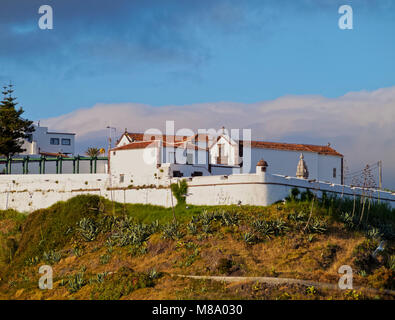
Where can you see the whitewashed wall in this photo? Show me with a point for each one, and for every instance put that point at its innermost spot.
(31, 192)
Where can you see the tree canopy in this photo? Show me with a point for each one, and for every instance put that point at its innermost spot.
(13, 128)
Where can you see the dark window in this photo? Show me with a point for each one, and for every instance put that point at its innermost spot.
(54, 141)
(66, 142)
(240, 149)
(334, 172)
(197, 174)
(177, 174)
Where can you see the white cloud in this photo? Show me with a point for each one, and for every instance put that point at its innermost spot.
(361, 125)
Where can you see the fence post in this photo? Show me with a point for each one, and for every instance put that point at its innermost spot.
(60, 164)
(27, 165)
(78, 164)
(95, 165)
(90, 164)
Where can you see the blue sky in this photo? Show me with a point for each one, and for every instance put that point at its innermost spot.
(182, 52)
(280, 67)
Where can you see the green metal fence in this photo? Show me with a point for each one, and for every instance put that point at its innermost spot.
(25, 161)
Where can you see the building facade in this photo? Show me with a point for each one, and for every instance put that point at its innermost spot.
(42, 141)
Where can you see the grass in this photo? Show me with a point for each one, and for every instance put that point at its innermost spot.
(120, 246)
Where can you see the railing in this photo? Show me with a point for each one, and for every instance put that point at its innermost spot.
(44, 159)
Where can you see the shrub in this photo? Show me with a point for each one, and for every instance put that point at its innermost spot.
(76, 282)
(171, 231)
(121, 284)
(192, 228)
(180, 190)
(87, 229)
(229, 219)
(249, 238)
(52, 257)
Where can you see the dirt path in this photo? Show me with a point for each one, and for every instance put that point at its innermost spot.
(279, 281)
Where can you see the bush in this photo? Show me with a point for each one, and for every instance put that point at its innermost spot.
(171, 231)
(121, 284)
(180, 190)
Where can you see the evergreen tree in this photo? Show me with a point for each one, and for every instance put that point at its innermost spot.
(13, 128)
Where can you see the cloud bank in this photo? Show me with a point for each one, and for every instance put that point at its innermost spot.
(360, 125)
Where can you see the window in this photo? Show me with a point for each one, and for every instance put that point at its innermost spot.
(66, 142)
(54, 141)
(177, 174)
(334, 172)
(197, 174)
(121, 178)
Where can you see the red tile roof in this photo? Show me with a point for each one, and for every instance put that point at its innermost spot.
(327, 150)
(154, 144)
(137, 145)
(141, 136)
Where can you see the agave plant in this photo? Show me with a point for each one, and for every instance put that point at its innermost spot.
(279, 226)
(192, 228)
(228, 219)
(373, 233)
(87, 229)
(51, 256)
(249, 238)
(76, 282)
(317, 226)
(391, 262)
(171, 231)
(206, 217)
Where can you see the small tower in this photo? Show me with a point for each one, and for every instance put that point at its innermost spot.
(261, 166)
(302, 171)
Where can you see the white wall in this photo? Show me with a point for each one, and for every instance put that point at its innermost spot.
(139, 166)
(264, 189)
(31, 192)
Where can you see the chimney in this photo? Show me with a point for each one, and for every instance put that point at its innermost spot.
(261, 166)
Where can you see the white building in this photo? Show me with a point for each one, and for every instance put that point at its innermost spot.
(323, 162)
(42, 141)
(149, 158)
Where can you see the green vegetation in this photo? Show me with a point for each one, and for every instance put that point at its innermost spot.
(95, 242)
(13, 128)
(180, 190)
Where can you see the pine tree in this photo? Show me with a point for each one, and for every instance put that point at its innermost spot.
(13, 128)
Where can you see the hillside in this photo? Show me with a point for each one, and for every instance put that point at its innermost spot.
(104, 250)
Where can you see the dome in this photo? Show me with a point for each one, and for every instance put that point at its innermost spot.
(262, 163)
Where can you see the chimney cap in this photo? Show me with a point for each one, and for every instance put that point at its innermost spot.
(262, 163)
